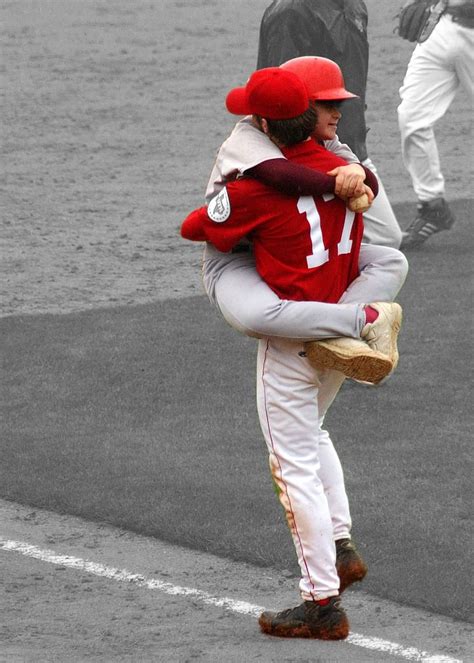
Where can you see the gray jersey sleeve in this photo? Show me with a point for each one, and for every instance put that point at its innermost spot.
(341, 150)
(246, 147)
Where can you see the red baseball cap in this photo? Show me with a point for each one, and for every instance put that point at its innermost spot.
(273, 93)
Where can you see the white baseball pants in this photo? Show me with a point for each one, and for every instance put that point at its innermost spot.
(380, 223)
(292, 399)
(436, 69)
(250, 306)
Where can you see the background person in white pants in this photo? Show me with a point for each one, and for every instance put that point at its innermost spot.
(334, 29)
(437, 68)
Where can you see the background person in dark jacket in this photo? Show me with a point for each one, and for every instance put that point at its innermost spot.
(335, 29)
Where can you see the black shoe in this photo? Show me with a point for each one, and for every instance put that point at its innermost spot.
(432, 217)
(308, 620)
(349, 564)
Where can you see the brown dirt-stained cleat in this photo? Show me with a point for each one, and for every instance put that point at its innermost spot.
(349, 564)
(351, 356)
(308, 620)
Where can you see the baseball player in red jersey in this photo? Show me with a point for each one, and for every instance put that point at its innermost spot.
(291, 257)
(306, 248)
(231, 280)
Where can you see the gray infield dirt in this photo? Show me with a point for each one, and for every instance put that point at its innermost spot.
(110, 620)
(111, 115)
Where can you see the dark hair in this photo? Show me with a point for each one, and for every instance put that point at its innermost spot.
(295, 130)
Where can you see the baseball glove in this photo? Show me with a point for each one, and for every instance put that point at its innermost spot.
(412, 18)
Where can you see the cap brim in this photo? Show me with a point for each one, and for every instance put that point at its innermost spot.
(237, 102)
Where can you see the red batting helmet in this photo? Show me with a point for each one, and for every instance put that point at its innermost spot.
(322, 77)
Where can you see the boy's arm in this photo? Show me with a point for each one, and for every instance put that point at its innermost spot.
(198, 227)
(346, 186)
(193, 225)
(248, 150)
(292, 178)
(297, 180)
(223, 223)
(352, 180)
(341, 150)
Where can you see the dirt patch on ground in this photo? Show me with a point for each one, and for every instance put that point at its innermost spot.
(111, 619)
(111, 117)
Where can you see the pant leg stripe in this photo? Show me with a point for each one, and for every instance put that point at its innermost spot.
(281, 472)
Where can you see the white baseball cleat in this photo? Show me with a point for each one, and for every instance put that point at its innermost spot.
(382, 334)
(351, 356)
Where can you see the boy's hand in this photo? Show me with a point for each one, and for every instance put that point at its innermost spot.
(349, 181)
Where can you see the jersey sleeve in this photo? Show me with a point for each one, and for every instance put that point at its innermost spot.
(371, 180)
(246, 147)
(344, 151)
(224, 222)
(341, 150)
(192, 226)
(293, 178)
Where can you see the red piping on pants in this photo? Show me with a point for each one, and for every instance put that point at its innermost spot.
(281, 470)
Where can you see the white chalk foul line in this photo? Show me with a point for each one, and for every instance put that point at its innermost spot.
(241, 607)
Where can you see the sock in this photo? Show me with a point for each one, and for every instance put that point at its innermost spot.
(323, 601)
(371, 314)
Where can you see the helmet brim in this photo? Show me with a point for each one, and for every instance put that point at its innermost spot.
(334, 94)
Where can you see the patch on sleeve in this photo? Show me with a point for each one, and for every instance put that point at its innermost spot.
(218, 209)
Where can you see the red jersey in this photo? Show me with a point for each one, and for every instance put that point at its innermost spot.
(305, 248)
